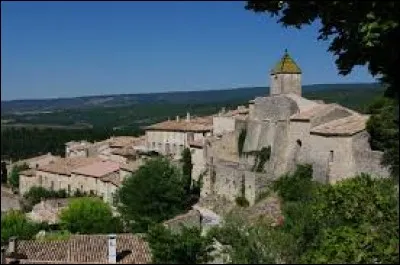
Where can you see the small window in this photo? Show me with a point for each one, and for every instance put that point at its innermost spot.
(69, 189)
(299, 143)
(52, 185)
(331, 156)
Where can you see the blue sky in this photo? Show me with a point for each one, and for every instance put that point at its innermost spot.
(63, 49)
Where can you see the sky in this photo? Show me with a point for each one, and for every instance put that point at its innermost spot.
(68, 49)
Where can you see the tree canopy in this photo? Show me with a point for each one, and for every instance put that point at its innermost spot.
(360, 32)
(154, 193)
(186, 247)
(89, 215)
(15, 223)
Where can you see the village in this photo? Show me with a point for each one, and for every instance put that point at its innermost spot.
(246, 147)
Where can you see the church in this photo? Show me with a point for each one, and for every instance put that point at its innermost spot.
(331, 138)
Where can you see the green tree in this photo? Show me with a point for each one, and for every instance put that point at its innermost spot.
(361, 32)
(89, 215)
(154, 193)
(187, 168)
(13, 178)
(383, 126)
(15, 223)
(186, 247)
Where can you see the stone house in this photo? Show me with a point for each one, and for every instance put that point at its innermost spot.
(171, 137)
(330, 137)
(35, 162)
(80, 249)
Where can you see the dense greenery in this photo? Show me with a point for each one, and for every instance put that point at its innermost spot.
(36, 194)
(383, 126)
(152, 194)
(4, 172)
(13, 178)
(21, 143)
(15, 223)
(360, 32)
(187, 168)
(186, 247)
(354, 221)
(89, 215)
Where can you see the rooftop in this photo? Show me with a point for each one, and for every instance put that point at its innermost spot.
(28, 172)
(286, 66)
(122, 141)
(132, 166)
(200, 124)
(131, 249)
(64, 166)
(97, 169)
(347, 126)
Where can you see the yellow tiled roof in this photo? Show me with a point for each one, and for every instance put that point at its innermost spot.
(286, 66)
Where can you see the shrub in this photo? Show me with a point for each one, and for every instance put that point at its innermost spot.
(89, 215)
(242, 201)
(296, 186)
(15, 223)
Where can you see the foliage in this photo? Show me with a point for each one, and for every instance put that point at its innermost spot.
(15, 223)
(187, 168)
(4, 173)
(296, 186)
(242, 201)
(383, 127)
(241, 140)
(361, 32)
(56, 236)
(154, 193)
(186, 247)
(36, 194)
(257, 243)
(13, 179)
(262, 156)
(353, 221)
(89, 216)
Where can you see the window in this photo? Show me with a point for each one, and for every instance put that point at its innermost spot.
(40, 180)
(331, 156)
(52, 185)
(69, 189)
(299, 143)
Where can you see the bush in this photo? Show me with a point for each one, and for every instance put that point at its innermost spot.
(186, 247)
(89, 216)
(242, 201)
(15, 223)
(296, 186)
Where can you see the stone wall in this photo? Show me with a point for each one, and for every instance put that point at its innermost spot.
(285, 84)
(274, 108)
(223, 124)
(189, 219)
(198, 161)
(367, 160)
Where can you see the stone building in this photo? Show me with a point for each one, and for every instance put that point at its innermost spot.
(84, 174)
(171, 137)
(296, 130)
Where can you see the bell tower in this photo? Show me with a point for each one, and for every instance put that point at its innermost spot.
(285, 77)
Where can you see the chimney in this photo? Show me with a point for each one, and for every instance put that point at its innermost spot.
(112, 248)
(12, 245)
(187, 116)
(177, 118)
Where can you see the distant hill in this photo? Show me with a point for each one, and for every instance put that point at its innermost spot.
(185, 97)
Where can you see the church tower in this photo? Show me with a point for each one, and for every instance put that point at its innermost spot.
(285, 77)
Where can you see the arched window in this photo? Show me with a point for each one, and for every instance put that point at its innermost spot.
(331, 156)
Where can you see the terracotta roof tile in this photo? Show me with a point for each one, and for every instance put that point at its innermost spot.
(64, 166)
(124, 151)
(97, 169)
(86, 249)
(309, 113)
(28, 172)
(202, 124)
(346, 126)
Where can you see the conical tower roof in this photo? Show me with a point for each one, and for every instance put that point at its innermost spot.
(286, 66)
